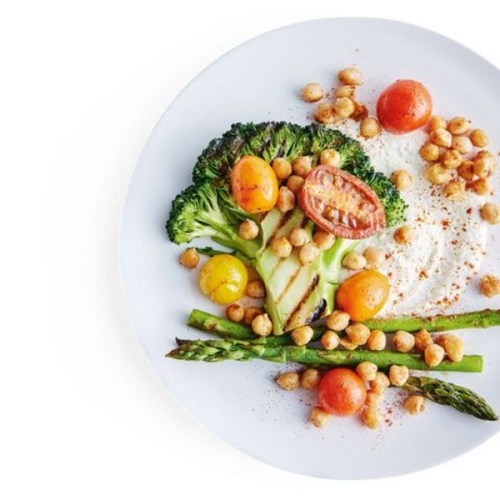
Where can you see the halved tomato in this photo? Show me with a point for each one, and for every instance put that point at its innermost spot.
(341, 204)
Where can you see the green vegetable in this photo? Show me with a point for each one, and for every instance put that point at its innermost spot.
(296, 294)
(243, 350)
(446, 393)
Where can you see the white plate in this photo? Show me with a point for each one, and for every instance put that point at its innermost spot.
(260, 81)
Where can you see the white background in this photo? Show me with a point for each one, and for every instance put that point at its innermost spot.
(82, 413)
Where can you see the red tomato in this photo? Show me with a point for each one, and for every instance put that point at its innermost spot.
(404, 106)
(341, 392)
(363, 295)
(254, 184)
(341, 204)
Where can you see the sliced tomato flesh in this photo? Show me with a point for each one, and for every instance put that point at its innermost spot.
(341, 204)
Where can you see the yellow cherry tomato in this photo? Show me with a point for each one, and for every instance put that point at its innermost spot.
(363, 295)
(223, 279)
(254, 184)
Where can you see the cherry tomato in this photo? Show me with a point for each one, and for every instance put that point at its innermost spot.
(223, 279)
(341, 204)
(363, 295)
(254, 184)
(404, 106)
(341, 392)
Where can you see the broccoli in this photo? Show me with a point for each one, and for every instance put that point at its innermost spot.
(296, 294)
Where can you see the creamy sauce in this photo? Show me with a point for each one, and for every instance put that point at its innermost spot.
(449, 238)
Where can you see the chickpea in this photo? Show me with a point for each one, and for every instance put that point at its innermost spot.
(329, 157)
(482, 187)
(354, 261)
(248, 230)
(377, 340)
(466, 170)
(338, 321)
(345, 91)
(440, 137)
(380, 384)
(302, 165)
(459, 125)
(281, 247)
(302, 335)
(453, 346)
(371, 417)
(309, 379)
(286, 200)
(436, 122)
(282, 168)
(350, 76)
(343, 107)
(433, 355)
(370, 127)
(324, 113)
(235, 312)
(319, 417)
(367, 370)
(403, 341)
(374, 256)
(423, 340)
(462, 144)
(489, 285)
(289, 381)
(490, 213)
(323, 240)
(451, 159)
(299, 237)
(360, 111)
(330, 340)
(250, 314)
(347, 344)
(484, 164)
(437, 174)
(414, 404)
(402, 179)
(373, 398)
(479, 138)
(455, 190)
(358, 333)
(403, 235)
(308, 254)
(294, 183)
(398, 375)
(429, 152)
(312, 92)
(255, 289)
(189, 258)
(262, 325)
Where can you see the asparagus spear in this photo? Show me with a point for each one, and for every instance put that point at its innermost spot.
(446, 393)
(242, 350)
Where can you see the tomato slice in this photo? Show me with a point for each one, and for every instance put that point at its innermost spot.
(341, 204)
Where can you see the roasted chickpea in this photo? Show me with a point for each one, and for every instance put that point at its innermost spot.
(360, 111)
(373, 398)
(453, 346)
(250, 314)
(455, 190)
(358, 333)
(433, 355)
(255, 289)
(289, 381)
(324, 114)
(490, 213)
(302, 335)
(437, 174)
(338, 321)
(459, 125)
(312, 92)
(414, 404)
(374, 256)
(489, 285)
(235, 312)
(429, 152)
(308, 254)
(262, 325)
(294, 183)
(319, 417)
(423, 340)
(380, 384)
(286, 200)
(403, 235)
(370, 127)
(302, 165)
(367, 370)
(371, 417)
(440, 137)
(403, 341)
(190, 258)
(462, 144)
(309, 379)
(436, 122)
(479, 138)
(343, 107)
(484, 164)
(466, 170)
(402, 179)
(281, 247)
(323, 240)
(329, 157)
(350, 76)
(347, 344)
(248, 230)
(482, 187)
(330, 340)
(376, 341)
(299, 236)
(345, 91)
(398, 375)
(451, 159)
(282, 168)
(354, 261)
